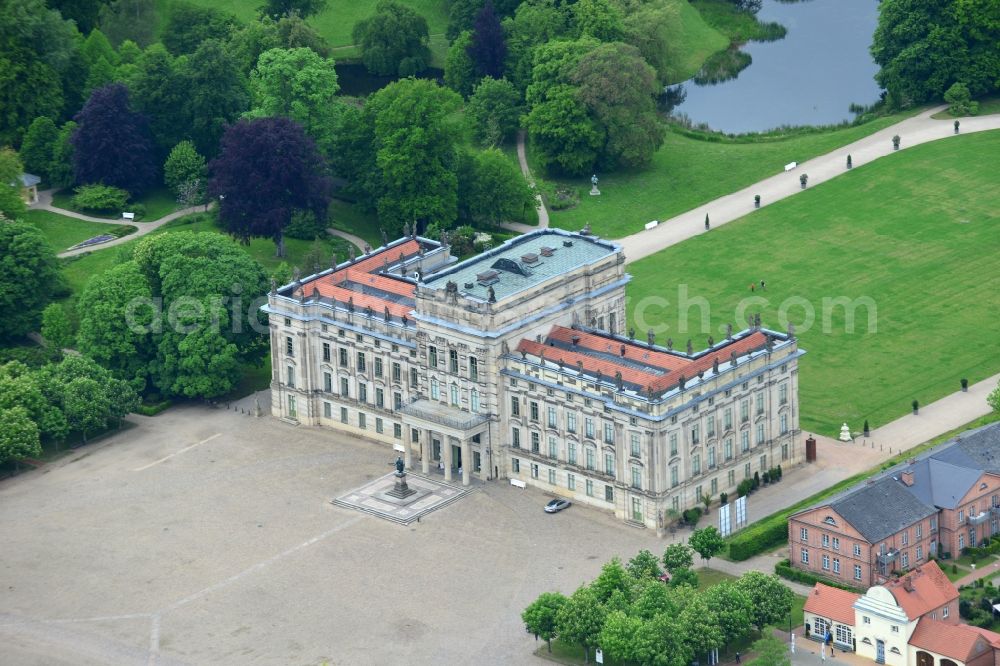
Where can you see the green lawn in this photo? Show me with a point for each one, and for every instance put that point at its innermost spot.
(64, 232)
(692, 40)
(688, 172)
(916, 232)
(158, 201)
(738, 26)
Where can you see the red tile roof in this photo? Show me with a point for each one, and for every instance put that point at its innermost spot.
(955, 641)
(930, 589)
(832, 603)
(664, 369)
(365, 272)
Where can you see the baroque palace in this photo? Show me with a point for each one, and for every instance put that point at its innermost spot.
(515, 364)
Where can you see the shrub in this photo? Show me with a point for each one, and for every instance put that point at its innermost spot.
(766, 478)
(745, 487)
(692, 516)
(954, 568)
(100, 198)
(153, 409)
(785, 569)
(305, 226)
(960, 100)
(139, 210)
(760, 536)
(756, 481)
(916, 406)
(723, 498)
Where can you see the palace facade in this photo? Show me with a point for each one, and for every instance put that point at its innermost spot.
(515, 364)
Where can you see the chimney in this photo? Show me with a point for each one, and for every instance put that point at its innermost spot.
(907, 477)
(908, 583)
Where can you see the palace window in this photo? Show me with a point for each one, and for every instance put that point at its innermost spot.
(552, 417)
(473, 368)
(515, 406)
(636, 477)
(326, 352)
(634, 444)
(378, 366)
(289, 347)
(453, 361)
(361, 362)
(432, 356)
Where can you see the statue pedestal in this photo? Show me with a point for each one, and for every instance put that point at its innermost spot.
(594, 192)
(400, 490)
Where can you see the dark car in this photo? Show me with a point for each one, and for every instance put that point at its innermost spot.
(556, 505)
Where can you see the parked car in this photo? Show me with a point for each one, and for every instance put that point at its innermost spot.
(556, 505)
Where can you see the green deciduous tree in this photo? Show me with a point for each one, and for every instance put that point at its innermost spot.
(770, 600)
(600, 19)
(493, 189)
(732, 610)
(37, 150)
(184, 167)
(540, 617)
(22, 387)
(770, 651)
(29, 275)
(684, 577)
(701, 627)
(644, 565)
(97, 46)
(86, 405)
(11, 204)
(83, 12)
(56, 327)
(677, 556)
(159, 91)
(494, 109)
(581, 619)
(303, 8)
(18, 435)
(129, 19)
(459, 70)
(288, 32)
(215, 94)
(613, 578)
(189, 25)
(301, 85)
(707, 542)
(536, 22)
(566, 137)
(393, 41)
(61, 169)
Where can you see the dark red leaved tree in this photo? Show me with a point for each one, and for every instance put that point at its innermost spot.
(112, 144)
(267, 168)
(488, 49)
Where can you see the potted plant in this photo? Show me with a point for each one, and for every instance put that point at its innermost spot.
(850, 164)
(868, 432)
(965, 385)
(803, 179)
(706, 499)
(766, 478)
(916, 406)
(756, 201)
(723, 498)
(707, 225)
(895, 142)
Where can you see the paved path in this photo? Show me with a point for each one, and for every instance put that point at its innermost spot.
(913, 131)
(543, 214)
(357, 241)
(45, 203)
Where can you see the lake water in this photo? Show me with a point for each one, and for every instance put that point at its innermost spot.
(808, 78)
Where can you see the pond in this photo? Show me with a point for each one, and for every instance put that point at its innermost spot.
(811, 77)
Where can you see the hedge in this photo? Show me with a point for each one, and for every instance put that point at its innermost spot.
(785, 569)
(154, 409)
(762, 535)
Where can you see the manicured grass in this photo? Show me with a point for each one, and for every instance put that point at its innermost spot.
(711, 577)
(917, 232)
(691, 41)
(64, 232)
(349, 217)
(158, 201)
(689, 171)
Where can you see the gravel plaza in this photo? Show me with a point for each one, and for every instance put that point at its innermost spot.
(208, 536)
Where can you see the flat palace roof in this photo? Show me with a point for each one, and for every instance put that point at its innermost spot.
(522, 263)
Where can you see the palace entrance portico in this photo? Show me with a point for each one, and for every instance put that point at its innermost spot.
(449, 437)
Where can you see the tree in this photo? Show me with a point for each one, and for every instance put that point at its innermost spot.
(620, 637)
(770, 651)
(707, 542)
(654, 598)
(563, 133)
(494, 109)
(644, 565)
(393, 41)
(83, 12)
(731, 608)
(303, 8)
(116, 317)
(56, 328)
(648, 28)
(297, 84)
(599, 19)
(11, 203)
(993, 399)
(488, 49)
(215, 94)
(459, 69)
(580, 620)
(22, 388)
(535, 23)
(189, 25)
(86, 406)
(112, 144)
(413, 140)
(701, 627)
(28, 276)
(96, 46)
(129, 19)
(184, 167)
(267, 169)
(496, 190)
(101, 74)
(684, 577)
(677, 556)
(770, 600)
(38, 146)
(619, 89)
(18, 435)
(61, 169)
(540, 617)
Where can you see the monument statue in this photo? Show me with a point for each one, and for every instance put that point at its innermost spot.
(400, 490)
(400, 466)
(594, 192)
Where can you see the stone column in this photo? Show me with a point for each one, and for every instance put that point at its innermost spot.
(466, 462)
(446, 457)
(407, 453)
(425, 457)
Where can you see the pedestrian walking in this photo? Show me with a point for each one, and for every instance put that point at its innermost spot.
(737, 656)
(752, 286)
(762, 287)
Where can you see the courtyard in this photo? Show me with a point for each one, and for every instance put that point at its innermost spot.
(208, 536)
